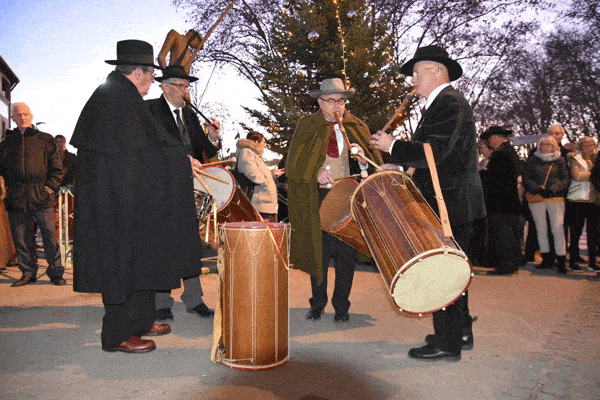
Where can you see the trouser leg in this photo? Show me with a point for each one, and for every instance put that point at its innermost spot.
(21, 229)
(192, 292)
(47, 226)
(133, 317)
(164, 299)
(344, 260)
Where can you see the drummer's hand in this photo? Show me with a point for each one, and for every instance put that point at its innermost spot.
(213, 133)
(195, 163)
(278, 172)
(382, 141)
(392, 167)
(324, 177)
(358, 152)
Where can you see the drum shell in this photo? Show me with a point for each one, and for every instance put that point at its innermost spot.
(255, 294)
(406, 241)
(336, 217)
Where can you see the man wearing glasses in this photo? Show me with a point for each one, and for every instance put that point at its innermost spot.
(183, 124)
(134, 204)
(318, 155)
(447, 124)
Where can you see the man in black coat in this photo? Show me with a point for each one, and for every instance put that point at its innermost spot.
(134, 204)
(31, 167)
(503, 203)
(447, 124)
(183, 124)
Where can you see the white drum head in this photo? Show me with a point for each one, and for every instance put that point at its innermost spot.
(221, 192)
(431, 281)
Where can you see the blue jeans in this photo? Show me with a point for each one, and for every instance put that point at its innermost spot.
(21, 228)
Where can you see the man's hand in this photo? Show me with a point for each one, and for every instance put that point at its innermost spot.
(358, 152)
(195, 163)
(213, 133)
(324, 177)
(382, 141)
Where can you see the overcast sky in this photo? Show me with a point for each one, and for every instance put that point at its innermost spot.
(57, 49)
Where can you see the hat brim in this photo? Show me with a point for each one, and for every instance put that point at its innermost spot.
(143, 64)
(187, 78)
(486, 135)
(315, 94)
(454, 69)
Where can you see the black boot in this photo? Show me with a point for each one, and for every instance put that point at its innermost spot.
(560, 263)
(547, 261)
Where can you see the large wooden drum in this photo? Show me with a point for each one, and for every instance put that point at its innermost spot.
(254, 301)
(423, 270)
(336, 218)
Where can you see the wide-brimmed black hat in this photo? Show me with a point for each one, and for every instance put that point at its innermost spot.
(175, 71)
(433, 53)
(495, 130)
(134, 52)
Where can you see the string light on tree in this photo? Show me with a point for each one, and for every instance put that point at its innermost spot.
(343, 40)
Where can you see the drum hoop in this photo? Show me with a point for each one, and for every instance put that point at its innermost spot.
(232, 192)
(407, 265)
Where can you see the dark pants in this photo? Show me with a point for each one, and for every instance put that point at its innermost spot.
(504, 245)
(22, 231)
(580, 213)
(191, 296)
(344, 262)
(448, 324)
(121, 321)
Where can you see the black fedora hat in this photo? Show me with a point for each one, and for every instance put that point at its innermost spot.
(495, 130)
(175, 71)
(433, 53)
(134, 52)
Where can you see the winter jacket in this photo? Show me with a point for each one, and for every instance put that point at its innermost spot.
(535, 171)
(28, 162)
(251, 164)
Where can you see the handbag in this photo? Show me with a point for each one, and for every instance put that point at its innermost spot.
(536, 198)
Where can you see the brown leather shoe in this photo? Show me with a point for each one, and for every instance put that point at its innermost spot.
(135, 344)
(158, 330)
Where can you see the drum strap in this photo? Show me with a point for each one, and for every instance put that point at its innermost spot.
(438, 190)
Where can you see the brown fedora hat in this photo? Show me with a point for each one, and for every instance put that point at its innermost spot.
(433, 53)
(134, 52)
(175, 71)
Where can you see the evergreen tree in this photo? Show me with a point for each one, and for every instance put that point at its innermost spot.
(315, 40)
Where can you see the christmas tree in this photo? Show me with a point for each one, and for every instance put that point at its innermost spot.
(315, 40)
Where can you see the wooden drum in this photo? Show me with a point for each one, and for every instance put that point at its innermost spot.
(423, 270)
(336, 217)
(254, 298)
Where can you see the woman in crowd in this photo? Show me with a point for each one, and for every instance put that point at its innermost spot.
(250, 162)
(582, 197)
(546, 181)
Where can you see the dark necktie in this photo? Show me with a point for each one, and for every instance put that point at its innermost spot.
(332, 148)
(184, 135)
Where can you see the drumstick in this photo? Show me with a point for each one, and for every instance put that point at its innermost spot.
(199, 179)
(201, 172)
(343, 130)
(219, 162)
(347, 177)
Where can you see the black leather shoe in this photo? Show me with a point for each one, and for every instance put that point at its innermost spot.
(58, 281)
(202, 311)
(24, 280)
(314, 314)
(341, 316)
(430, 353)
(164, 314)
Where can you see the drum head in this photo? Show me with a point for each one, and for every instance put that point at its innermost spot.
(431, 281)
(221, 192)
(335, 207)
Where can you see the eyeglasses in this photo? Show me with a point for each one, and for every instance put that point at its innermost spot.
(148, 70)
(417, 73)
(179, 85)
(333, 101)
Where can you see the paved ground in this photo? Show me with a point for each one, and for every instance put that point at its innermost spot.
(537, 337)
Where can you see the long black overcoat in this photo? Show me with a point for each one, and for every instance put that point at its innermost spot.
(503, 172)
(449, 127)
(134, 225)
